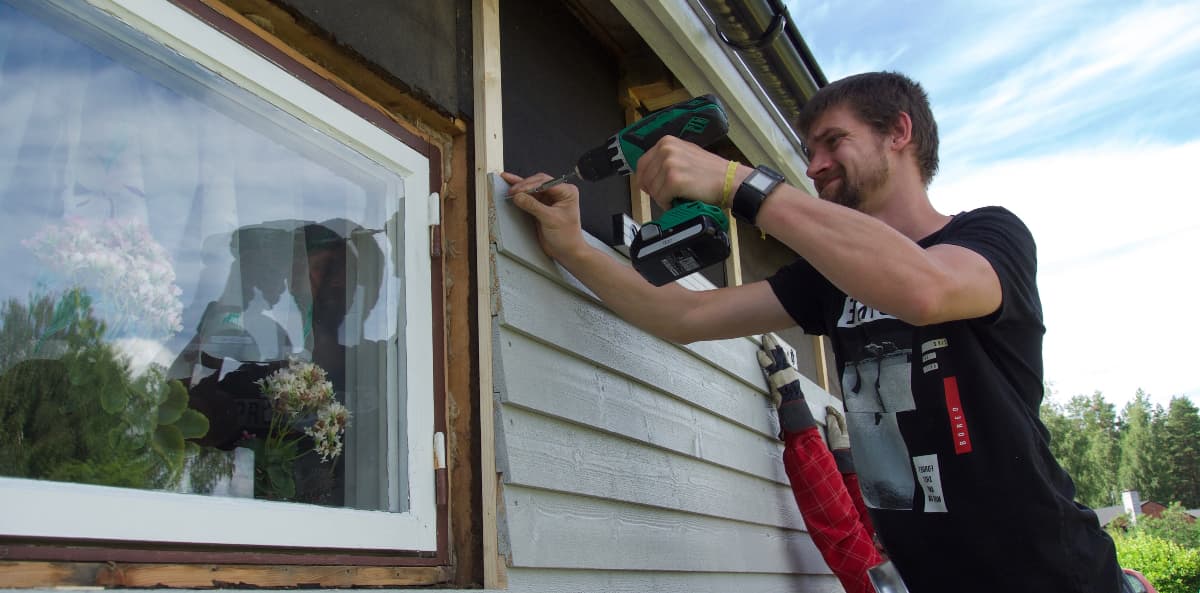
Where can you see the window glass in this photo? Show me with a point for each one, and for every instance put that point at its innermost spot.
(202, 294)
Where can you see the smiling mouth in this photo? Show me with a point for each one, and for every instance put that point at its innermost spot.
(821, 188)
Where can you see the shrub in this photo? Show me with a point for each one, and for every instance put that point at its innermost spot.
(1170, 567)
(1173, 525)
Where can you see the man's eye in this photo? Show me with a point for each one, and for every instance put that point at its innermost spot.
(804, 150)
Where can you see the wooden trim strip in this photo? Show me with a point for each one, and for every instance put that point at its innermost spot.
(437, 298)
(489, 157)
(822, 379)
(462, 408)
(122, 551)
(109, 574)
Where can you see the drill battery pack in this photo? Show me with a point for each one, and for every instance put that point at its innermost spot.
(662, 255)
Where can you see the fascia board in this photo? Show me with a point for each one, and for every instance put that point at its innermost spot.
(686, 45)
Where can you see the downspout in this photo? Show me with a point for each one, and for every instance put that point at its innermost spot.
(761, 33)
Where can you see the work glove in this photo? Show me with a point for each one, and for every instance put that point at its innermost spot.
(838, 439)
(784, 381)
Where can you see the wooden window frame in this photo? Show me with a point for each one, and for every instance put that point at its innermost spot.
(434, 555)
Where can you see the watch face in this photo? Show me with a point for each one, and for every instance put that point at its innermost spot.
(759, 182)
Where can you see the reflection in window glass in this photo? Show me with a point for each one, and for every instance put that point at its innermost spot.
(201, 293)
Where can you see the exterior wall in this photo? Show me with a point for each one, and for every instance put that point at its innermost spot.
(424, 46)
(630, 463)
(560, 99)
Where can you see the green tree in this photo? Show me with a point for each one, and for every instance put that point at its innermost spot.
(71, 410)
(1084, 439)
(1141, 466)
(1180, 450)
(1067, 441)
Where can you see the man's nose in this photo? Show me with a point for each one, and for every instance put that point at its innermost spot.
(817, 164)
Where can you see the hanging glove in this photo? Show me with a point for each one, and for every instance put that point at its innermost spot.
(838, 439)
(784, 381)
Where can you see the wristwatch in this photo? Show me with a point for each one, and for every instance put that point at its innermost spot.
(754, 191)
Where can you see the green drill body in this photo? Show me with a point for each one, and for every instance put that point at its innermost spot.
(691, 234)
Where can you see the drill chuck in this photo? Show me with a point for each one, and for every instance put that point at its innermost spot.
(602, 161)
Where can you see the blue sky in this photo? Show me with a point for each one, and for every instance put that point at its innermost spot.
(1084, 119)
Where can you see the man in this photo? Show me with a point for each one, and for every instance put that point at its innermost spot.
(936, 324)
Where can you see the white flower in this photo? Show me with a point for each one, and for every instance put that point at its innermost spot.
(301, 390)
(118, 262)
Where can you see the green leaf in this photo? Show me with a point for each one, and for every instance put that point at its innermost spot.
(168, 443)
(172, 408)
(283, 485)
(114, 399)
(192, 424)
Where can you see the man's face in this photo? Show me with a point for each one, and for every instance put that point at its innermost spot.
(847, 160)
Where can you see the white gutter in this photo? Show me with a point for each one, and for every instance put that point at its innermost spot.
(681, 34)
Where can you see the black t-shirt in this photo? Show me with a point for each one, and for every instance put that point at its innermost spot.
(953, 460)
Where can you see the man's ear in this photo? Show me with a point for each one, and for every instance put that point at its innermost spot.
(900, 134)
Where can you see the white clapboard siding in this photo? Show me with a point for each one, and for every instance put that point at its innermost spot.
(630, 463)
(576, 390)
(557, 530)
(523, 580)
(556, 315)
(550, 454)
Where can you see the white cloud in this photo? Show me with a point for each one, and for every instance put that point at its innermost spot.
(1077, 76)
(1118, 230)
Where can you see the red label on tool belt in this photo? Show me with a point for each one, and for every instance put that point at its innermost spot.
(958, 421)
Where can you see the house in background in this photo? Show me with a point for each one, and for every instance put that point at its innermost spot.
(1133, 506)
(200, 197)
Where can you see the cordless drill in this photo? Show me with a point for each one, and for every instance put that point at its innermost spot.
(691, 235)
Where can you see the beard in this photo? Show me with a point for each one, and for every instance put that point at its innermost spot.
(852, 191)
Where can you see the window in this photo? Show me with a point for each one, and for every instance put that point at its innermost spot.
(210, 267)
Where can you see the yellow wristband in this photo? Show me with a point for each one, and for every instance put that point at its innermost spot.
(727, 189)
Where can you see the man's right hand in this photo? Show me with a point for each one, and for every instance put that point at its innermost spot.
(556, 210)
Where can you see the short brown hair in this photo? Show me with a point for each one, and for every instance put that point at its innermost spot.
(878, 98)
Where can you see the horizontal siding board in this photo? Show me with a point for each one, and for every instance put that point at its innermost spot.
(558, 384)
(557, 530)
(524, 580)
(553, 455)
(553, 315)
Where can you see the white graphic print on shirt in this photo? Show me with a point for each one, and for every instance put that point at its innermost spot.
(875, 381)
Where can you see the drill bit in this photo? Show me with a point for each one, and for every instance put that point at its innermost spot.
(572, 176)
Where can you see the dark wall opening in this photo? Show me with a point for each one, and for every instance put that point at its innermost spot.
(424, 45)
(559, 100)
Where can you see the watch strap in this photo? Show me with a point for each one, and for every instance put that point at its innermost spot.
(753, 191)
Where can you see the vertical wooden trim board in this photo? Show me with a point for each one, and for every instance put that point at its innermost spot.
(822, 364)
(489, 156)
(639, 200)
(733, 263)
